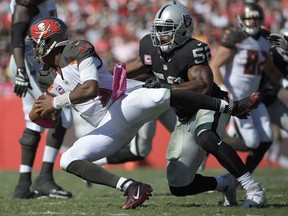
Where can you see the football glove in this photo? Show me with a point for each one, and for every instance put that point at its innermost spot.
(278, 40)
(22, 83)
(284, 83)
(154, 83)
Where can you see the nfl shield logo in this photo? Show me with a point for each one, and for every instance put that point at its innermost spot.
(165, 67)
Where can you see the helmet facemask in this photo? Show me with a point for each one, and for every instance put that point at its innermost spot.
(251, 18)
(164, 30)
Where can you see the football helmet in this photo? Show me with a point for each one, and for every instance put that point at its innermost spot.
(172, 21)
(250, 18)
(46, 34)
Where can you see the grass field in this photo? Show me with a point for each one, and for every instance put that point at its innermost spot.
(101, 200)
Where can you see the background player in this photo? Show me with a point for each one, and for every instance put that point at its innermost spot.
(25, 72)
(244, 56)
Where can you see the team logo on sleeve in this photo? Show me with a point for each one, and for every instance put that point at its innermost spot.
(147, 59)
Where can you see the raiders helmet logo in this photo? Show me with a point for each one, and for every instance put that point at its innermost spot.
(187, 21)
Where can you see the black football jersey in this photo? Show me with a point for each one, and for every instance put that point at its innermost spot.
(173, 67)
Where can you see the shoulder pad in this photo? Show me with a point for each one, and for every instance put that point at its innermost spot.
(231, 37)
(78, 51)
(265, 32)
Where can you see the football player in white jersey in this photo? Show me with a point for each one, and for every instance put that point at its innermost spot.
(244, 56)
(83, 82)
(25, 71)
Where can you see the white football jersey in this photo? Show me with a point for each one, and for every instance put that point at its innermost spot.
(244, 71)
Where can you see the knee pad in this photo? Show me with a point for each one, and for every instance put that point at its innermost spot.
(30, 138)
(208, 141)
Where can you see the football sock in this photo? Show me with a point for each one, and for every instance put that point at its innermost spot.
(255, 156)
(92, 173)
(185, 100)
(50, 154)
(247, 181)
(55, 136)
(124, 183)
(200, 184)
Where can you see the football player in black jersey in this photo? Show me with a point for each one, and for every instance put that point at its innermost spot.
(276, 107)
(179, 61)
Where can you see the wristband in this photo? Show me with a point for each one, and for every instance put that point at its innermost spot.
(223, 87)
(61, 101)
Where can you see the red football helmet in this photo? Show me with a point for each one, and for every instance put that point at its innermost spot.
(250, 18)
(45, 35)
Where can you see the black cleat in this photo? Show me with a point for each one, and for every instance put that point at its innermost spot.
(22, 191)
(45, 187)
(136, 194)
(242, 108)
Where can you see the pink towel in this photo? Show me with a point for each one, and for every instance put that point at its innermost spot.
(119, 84)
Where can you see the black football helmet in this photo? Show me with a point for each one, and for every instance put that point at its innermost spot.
(250, 18)
(46, 34)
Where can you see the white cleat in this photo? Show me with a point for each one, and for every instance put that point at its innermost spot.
(255, 197)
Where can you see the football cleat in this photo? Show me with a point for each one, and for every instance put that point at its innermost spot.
(229, 193)
(22, 191)
(137, 193)
(242, 108)
(255, 197)
(45, 187)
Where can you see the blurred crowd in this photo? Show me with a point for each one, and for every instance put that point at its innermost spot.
(115, 26)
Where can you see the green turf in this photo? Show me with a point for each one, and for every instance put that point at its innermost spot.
(101, 200)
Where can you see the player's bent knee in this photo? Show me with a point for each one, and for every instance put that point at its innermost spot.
(207, 140)
(30, 138)
(65, 160)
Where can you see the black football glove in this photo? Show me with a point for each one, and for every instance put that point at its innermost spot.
(22, 83)
(278, 40)
(154, 83)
